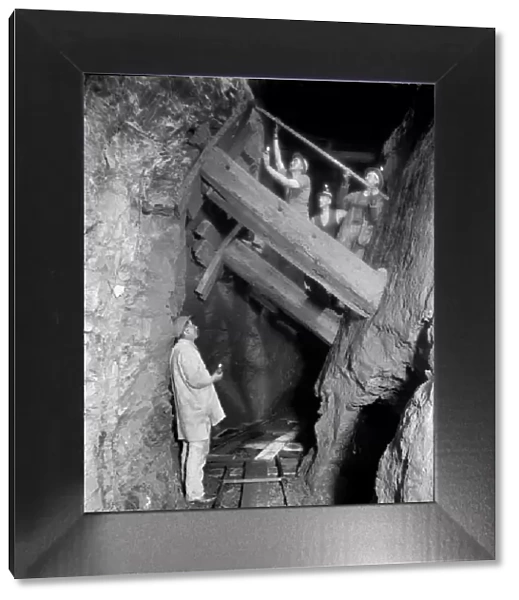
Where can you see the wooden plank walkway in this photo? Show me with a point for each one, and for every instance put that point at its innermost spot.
(241, 479)
(273, 449)
(255, 494)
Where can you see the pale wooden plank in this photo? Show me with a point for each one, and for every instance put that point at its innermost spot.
(213, 271)
(205, 229)
(281, 290)
(272, 450)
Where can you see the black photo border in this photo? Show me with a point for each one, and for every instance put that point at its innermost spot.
(50, 51)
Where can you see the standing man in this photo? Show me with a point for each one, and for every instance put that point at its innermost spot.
(328, 219)
(362, 211)
(197, 406)
(295, 181)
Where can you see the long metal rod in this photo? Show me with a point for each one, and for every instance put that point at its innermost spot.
(324, 154)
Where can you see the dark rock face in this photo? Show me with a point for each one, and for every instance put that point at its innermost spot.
(137, 153)
(406, 470)
(380, 361)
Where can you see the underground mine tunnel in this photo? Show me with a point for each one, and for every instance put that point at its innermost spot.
(326, 401)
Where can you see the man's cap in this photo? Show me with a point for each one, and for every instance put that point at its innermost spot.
(179, 324)
(302, 159)
(378, 173)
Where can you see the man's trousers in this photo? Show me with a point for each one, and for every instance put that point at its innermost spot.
(192, 462)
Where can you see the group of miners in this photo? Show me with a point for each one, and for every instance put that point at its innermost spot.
(353, 217)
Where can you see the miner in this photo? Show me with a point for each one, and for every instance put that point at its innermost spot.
(362, 211)
(295, 180)
(328, 219)
(197, 406)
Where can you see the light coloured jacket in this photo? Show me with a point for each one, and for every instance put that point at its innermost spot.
(196, 403)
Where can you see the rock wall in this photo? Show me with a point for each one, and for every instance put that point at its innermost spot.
(379, 362)
(137, 153)
(406, 469)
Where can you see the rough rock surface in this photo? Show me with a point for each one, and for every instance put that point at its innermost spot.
(406, 470)
(136, 154)
(381, 360)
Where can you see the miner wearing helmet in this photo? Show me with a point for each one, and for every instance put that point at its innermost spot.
(328, 219)
(362, 211)
(294, 180)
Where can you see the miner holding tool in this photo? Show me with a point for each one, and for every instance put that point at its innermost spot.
(295, 180)
(197, 406)
(362, 211)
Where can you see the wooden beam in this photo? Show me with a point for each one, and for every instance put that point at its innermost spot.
(213, 271)
(298, 240)
(239, 141)
(254, 480)
(186, 191)
(263, 301)
(280, 290)
(274, 448)
(203, 252)
(207, 230)
(255, 494)
(229, 137)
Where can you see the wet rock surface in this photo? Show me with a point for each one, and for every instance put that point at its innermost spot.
(137, 152)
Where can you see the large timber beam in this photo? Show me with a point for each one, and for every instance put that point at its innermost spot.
(299, 241)
(291, 299)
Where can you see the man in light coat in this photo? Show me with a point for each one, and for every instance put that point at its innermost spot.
(197, 406)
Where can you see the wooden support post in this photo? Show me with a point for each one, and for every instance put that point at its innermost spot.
(299, 241)
(240, 141)
(207, 230)
(190, 181)
(213, 271)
